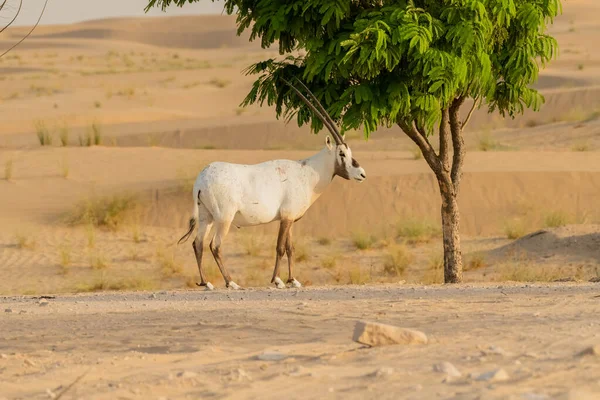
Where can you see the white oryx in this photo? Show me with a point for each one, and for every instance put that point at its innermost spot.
(279, 190)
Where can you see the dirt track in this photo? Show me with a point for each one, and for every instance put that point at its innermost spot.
(136, 345)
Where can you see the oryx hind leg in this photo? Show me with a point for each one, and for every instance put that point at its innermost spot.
(221, 231)
(205, 222)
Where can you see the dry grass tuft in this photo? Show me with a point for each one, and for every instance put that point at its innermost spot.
(301, 251)
(169, 265)
(514, 228)
(475, 261)
(329, 262)
(220, 83)
(397, 260)
(98, 261)
(252, 244)
(486, 142)
(110, 212)
(43, 133)
(65, 260)
(581, 146)
(417, 230)
(64, 167)
(435, 261)
(8, 169)
(358, 275)
(24, 241)
(555, 219)
(362, 240)
(324, 241)
(63, 134)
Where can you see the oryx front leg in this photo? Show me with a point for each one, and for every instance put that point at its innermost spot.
(221, 230)
(284, 228)
(289, 249)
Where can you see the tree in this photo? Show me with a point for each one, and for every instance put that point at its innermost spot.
(4, 8)
(409, 63)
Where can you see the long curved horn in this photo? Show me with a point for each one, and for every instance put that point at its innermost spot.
(14, 18)
(28, 33)
(2, 5)
(322, 109)
(318, 113)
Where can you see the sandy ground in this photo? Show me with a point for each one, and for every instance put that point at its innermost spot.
(196, 344)
(161, 97)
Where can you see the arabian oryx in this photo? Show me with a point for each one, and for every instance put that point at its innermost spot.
(279, 190)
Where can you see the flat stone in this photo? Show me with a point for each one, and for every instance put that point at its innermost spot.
(43, 302)
(448, 369)
(590, 351)
(29, 362)
(382, 372)
(271, 356)
(187, 374)
(497, 375)
(376, 334)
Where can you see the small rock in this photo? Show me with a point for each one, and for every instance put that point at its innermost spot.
(590, 351)
(271, 356)
(50, 394)
(8, 310)
(43, 302)
(448, 369)
(239, 375)
(3, 356)
(29, 362)
(152, 296)
(576, 394)
(382, 372)
(187, 374)
(497, 375)
(495, 350)
(376, 334)
(595, 279)
(22, 312)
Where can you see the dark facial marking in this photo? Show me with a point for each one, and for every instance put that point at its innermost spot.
(355, 163)
(340, 170)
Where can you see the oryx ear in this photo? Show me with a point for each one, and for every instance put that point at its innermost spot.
(328, 142)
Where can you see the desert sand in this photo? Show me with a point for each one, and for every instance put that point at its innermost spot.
(130, 110)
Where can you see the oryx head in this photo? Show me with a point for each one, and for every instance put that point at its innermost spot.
(345, 166)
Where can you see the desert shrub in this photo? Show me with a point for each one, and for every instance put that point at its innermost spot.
(397, 260)
(109, 212)
(324, 241)
(416, 230)
(362, 241)
(514, 228)
(43, 133)
(555, 219)
(475, 261)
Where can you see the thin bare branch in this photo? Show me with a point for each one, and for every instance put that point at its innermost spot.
(28, 33)
(322, 109)
(14, 18)
(475, 105)
(61, 394)
(3, 4)
(314, 110)
(445, 140)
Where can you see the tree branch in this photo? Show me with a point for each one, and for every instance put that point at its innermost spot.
(428, 152)
(14, 18)
(470, 114)
(457, 142)
(445, 140)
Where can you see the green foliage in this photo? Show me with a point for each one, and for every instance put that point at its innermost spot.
(374, 63)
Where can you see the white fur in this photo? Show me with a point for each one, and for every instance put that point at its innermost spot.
(279, 283)
(234, 286)
(296, 284)
(209, 286)
(246, 195)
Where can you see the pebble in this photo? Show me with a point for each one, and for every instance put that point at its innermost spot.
(152, 296)
(382, 372)
(271, 356)
(187, 374)
(43, 302)
(377, 334)
(495, 350)
(29, 362)
(497, 375)
(3, 356)
(448, 369)
(590, 351)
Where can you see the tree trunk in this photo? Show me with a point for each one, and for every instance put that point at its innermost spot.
(451, 235)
